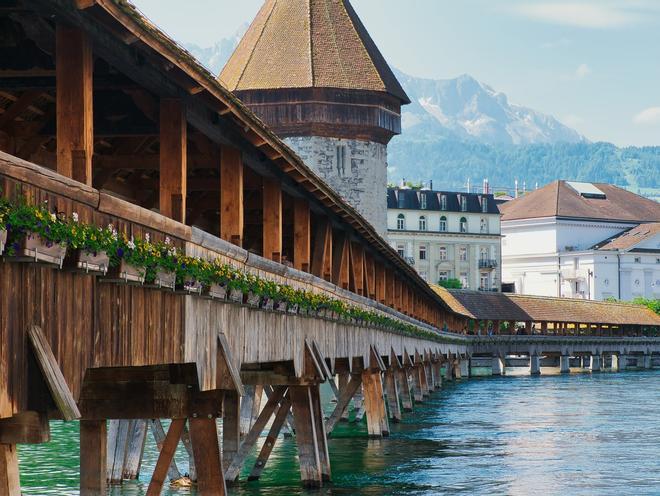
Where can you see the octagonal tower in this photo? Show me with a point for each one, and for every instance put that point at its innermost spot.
(310, 70)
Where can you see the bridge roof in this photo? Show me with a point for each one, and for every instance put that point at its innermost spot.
(526, 308)
(124, 21)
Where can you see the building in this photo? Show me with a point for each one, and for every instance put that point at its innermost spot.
(310, 70)
(447, 235)
(583, 240)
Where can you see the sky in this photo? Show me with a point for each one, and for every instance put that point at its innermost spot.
(592, 64)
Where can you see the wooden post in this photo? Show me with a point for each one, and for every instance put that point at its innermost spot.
(272, 220)
(346, 392)
(392, 392)
(271, 439)
(306, 438)
(231, 195)
(404, 389)
(357, 268)
(10, 484)
(231, 426)
(344, 377)
(370, 276)
(74, 120)
(165, 457)
(159, 437)
(93, 457)
(118, 437)
(322, 258)
(173, 159)
(210, 475)
(135, 449)
(374, 404)
(340, 262)
(301, 235)
(321, 436)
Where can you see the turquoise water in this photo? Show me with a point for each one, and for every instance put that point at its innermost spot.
(581, 434)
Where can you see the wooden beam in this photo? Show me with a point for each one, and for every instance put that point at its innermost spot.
(357, 268)
(165, 457)
(369, 276)
(18, 107)
(75, 134)
(271, 438)
(322, 257)
(25, 428)
(173, 159)
(374, 404)
(208, 463)
(341, 261)
(301, 235)
(159, 436)
(10, 484)
(272, 220)
(231, 426)
(321, 436)
(231, 195)
(93, 457)
(306, 437)
(345, 396)
(381, 281)
(227, 376)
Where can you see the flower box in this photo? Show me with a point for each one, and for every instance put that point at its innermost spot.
(3, 240)
(165, 279)
(293, 309)
(126, 273)
(34, 248)
(236, 295)
(91, 262)
(192, 286)
(267, 303)
(218, 291)
(280, 306)
(253, 299)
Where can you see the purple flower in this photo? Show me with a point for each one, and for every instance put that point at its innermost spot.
(120, 253)
(16, 246)
(49, 244)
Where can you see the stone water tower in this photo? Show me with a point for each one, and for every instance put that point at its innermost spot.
(310, 70)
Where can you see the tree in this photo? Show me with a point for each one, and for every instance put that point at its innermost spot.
(450, 283)
(649, 303)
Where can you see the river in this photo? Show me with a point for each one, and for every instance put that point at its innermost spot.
(578, 434)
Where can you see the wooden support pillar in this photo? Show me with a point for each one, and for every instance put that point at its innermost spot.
(358, 405)
(321, 436)
(322, 256)
(417, 390)
(118, 437)
(271, 439)
(357, 268)
(381, 283)
(306, 438)
(398, 295)
(250, 406)
(74, 117)
(272, 220)
(301, 235)
(374, 404)
(344, 377)
(231, 426)
(231, 195)
(160, 437)
(370, 276)
(165, 457)
(173, 159)
(10, 483)
(341, 262)
(404, 389)
(392, 392)
(346, 392)
(135, 449)
(430, 376)
(208, 463)
(93, 457)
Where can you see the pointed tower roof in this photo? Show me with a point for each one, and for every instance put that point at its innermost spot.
(309, 44)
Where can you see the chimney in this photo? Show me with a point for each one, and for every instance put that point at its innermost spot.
(431, 184)
(515, 186)
(468, 185)
(403, 182)
(483, 186)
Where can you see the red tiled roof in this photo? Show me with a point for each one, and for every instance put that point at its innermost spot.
(630, 238)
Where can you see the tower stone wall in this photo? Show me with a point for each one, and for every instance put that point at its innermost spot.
(356, 169)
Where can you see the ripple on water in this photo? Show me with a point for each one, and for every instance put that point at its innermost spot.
(581, 434)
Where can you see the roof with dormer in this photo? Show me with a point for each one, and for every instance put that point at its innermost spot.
(309, 44)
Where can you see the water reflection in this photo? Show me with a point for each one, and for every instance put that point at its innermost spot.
(581, 434)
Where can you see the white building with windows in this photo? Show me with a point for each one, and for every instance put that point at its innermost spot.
(582, 240)
(447, 235)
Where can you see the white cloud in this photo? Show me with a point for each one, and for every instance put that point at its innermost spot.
(584, 15)
(647, 116)
(582, 71)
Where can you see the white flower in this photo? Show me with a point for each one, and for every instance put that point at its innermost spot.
(131, 244)
(111, 227)
(147, 237)
(53, 217)
(172, 252)
(115, 235)
(74, 216)
(167, 240)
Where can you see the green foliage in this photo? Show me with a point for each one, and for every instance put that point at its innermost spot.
(653, 304)
(22, 219)
(451, 283)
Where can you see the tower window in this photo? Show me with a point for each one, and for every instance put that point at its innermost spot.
(401, 222)
(341, 160)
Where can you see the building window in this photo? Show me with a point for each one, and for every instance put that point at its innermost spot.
(483, 254)
(464, 226)
(443, 202)
(485, 281)
(443, 223)
(464, 280)
(401, 222)
(422, 201)
(443, 275)
(463, 203)
(401, 250)
(484, 204)
(462, 253)
(638, 259)
(341, 160)
(443, 253)
(422, 223)
(423, 275)
(422, 252)
(484, 226)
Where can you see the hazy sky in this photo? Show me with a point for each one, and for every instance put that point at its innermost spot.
(593, 64)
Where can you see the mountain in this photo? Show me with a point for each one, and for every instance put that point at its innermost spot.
(465, 109)
(215, 57)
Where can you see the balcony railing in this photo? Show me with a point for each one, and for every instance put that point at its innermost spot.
(487, 263)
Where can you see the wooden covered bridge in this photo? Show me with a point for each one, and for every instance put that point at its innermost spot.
(124, 163)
